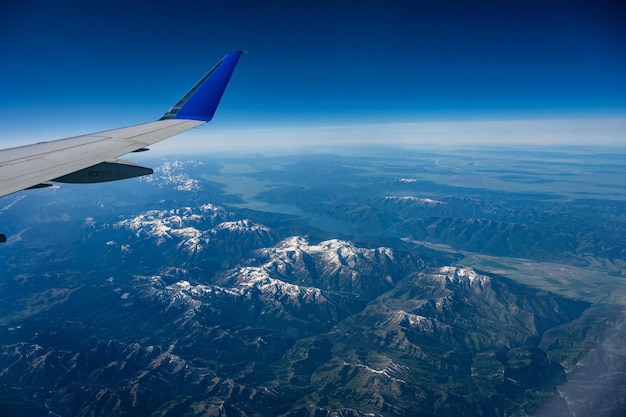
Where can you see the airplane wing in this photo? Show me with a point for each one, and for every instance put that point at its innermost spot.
(94, 157)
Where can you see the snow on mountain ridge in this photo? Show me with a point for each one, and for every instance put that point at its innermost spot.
(292, 273)
(252, 282)
(334, 254)
(332, 266)
(172, 173)
(413, 321)
(248, 278)
(194, 228)
(164, 225)
(417, 200)
(453, 274)
(181, 294)
(213, 212)
(240, 225)
(387, 375)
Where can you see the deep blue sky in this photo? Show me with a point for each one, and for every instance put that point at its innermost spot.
(113, 63)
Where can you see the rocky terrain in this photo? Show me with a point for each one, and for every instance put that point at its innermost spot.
(200, 305)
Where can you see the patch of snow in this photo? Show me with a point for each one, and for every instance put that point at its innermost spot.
(416, 200)
(242, 225)
(172, 174)
(455, 274)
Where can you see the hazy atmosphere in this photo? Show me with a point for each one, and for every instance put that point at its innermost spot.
(556, 69)
(400, 209)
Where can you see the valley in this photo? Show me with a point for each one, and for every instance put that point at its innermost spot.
(386, 281)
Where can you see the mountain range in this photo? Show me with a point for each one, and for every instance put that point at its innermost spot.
(196, 308)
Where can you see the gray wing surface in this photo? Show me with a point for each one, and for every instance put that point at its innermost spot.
(28, 166)
(94, 157)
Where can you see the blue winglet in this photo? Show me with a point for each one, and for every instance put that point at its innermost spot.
(201, 101)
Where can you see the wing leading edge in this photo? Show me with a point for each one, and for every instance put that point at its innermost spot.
(94, 157)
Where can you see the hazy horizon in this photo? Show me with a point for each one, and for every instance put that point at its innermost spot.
(424, 71)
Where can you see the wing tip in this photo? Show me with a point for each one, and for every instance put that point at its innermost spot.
(200, 103)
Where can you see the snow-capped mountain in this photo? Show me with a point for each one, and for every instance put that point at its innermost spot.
(282, 324)
(172, 174)
(332, 265)
(135, 298)
(289, 284)
(194, 229)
